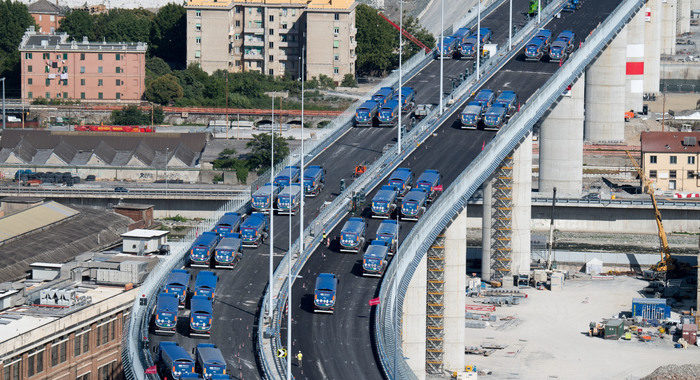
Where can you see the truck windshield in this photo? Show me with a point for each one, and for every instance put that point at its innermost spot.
(260, 199)
(425, 185)
(372, 263)
(379, 204)
(248, 232)
(410, 206)
(348, 237)
(396, 183)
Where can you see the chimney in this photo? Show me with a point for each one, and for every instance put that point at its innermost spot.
(85, 40)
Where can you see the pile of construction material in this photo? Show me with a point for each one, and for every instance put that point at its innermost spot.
(675, 372)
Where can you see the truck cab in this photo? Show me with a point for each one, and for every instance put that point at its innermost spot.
(562, 46)
(388, 232)
(485, 34)
(572, 5)
(470, 116)
(445, 48)
(205, 284)
(261, 197)
(177, 283)
(324, 293)
(209, 361)
(203, 248)
(507, 99)
(494, 117)
(165, 318)
(352, 236)
(413, 204)
(430, 181)
(383, 95)
(287, 176)
(374, 261)
(314, 178)
(401, 180)
(201, 313)
(228, 223)
(228, 251)
(407, 96)
(289, 200)
(174, 360)
(485, 98)
(388, 114)
(536, 47)
(461, 35)
(468, 48)
(384, 202)
(254, 230)
(365, 114)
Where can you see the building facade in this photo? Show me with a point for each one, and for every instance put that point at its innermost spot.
(671, 159)
(47, 15)
(55, 68)
(270, 36)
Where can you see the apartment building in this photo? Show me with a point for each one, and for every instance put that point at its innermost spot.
(47, 15)
(269, 36)
(670, 160)
(55, 68)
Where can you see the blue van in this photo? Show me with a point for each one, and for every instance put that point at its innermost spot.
(388, 232)
(203, 248)
(401, 180)
(389, 114)
(352, 236)
(445, 48)
(495, 117)
(261, 197)
(430, 181)
(254, 230)
(165, 318)
(314, 179)
(470, 116)
(407, 97)
(413, 204)
(205, 284)
(468, 48)
(374, 262)
(289, 200)
(287, 176)
(177, 283)
(324, 293)
(383, 95)
(365, 114)
(201, 313)
(485, 98)
(209, 360)
(562, 46)
(174, 360)
(228, 251)
(228, 223)
(536, 47)
(384, 202)
(507, 99)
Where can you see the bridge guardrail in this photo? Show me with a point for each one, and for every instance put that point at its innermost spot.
(131, 192)
(398, 276)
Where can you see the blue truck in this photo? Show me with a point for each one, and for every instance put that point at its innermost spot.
(445, 48)
(228, 252)
(538, 45)
(201, 313)
(401, 180)
(383, 95)
(384, 202)
(470, 116)
(388, 232)
(494, 117)
(287, 176)
(562, 46)
(174, 360)
(314, 179)
(177, 283)
(572, 5)
(352, 235)
(209, 361)
(289, 200)
(374, 261)
(365, 114)
(430, 181)
(165, 317)
(254, 230)
(413, 204)
(228, 223)
(485, 98)
(203, 248)
(407, 97)
(485, 34)
(324, 293)
(388, 114)
(461, 35)
(468, 48)
(507, 99)
(262, 196)
(205, 284)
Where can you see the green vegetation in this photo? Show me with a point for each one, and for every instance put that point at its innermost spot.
(218, 178)
(378, 41)
(258, 159)
(177, 218)
(349, 81)
(54, 101)
(14, 21)
(132, 115)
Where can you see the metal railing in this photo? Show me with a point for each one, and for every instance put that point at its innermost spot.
(160, 192)
(396, 280)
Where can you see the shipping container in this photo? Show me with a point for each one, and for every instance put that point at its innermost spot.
(651, 308)
(690, 333)
(614, 329)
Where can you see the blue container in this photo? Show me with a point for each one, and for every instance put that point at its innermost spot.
(651, 308)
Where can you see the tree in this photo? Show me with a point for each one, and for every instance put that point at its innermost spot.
(168, 33)
(156, 67)
(348, 81)
(164, 90)
(124, 25)
(14, 21)
(260, 151)
(78, 24)
(132, 115)
(412, 26)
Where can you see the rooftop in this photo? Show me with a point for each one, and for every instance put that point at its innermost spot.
(47, 7)
(327, 4)
(144, 234)
(133, 206)
(670, 142)
(33, 41)
(33, 218)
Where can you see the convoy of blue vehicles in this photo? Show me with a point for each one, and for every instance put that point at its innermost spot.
(462, 44)
(489, 110)
(176, 363)
(383, 109)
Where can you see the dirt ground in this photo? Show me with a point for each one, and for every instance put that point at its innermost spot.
(548, 339)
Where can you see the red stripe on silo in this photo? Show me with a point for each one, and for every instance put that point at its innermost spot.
(635, 68)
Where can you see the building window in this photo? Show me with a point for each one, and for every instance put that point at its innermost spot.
(46, 69)
(294, 12)
(52, 18)
(336, 70)
(119, 57)
(99, 56)
(65, 82)
(259, 10)
(284, 11)
(238, 63)
(82, 342)
(691, 174)
(198, 27)
(30, 95)
(672, 174)
(198, 13)
(691, 160)
(13, 369)
(27, 55)
(48, 95)
(29, 81)
(58, 352)
(238, 22)
(107, 371)
(29, 68)
(82, 81)
(82, 95)
(672, 184)
(673, 159)
(48, 82)
(99, 95)
(284, 26)
(65, 56)
(197, 53)
(336, 30)
(82, 69)
(271, 32)
(99, 82)
(272, 18)
(652, 173)
(35, 362)
(46, 56)
(237, 36)
(65, 95)
(271, 44)
(85, 376)
(336, 57)
(271, 72)
(82, 56)
(99, 69)
(118, 70)
(119, 95)
(238, 9)
(336, 43)
(198, 40)
(336, 16)
(272, 58)
(118, 82)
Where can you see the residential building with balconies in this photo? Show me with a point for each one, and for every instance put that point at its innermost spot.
(671, 160)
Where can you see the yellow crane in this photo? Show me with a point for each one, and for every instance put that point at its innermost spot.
(666, 262)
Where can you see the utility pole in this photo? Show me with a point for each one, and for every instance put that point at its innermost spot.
(551, 229)
(539, 11)
(227, 125)
(400, 73)
(151, 114)
(442, 38)
(510, 25)
(4, 116)
(478, 38)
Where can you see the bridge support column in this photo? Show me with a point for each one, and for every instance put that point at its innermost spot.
(522, 205)
(605, 94)
(455, 295)
(635, 63)
(652, 45)
(486, 225)
(668, 27)
(561, 145)
(683, 16)
(413, 321)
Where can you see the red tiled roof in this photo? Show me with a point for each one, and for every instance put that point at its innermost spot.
(670, 142)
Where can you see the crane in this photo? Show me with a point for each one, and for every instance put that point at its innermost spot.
(666, 263)
(406, 34)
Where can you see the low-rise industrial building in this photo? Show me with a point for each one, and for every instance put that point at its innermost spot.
(142, 241)
(671, 159)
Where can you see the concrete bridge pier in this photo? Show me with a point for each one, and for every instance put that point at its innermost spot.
(652, 45)
(634, 72)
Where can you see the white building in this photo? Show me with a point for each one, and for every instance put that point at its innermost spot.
(142, 241)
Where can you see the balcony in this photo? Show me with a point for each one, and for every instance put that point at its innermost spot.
(256, 30)
(253, 55)
(253, 41)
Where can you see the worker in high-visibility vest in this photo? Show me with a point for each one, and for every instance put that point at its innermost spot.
(299, 357)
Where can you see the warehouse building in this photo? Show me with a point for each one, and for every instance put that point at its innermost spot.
(670, 160)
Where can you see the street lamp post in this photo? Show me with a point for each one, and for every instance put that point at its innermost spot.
(478, 38)
(442, 38)
(510, 25)
(4, 117)
(272, 211)
(400, 72)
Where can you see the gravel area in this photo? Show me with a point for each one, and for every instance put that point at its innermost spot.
(675, 372)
